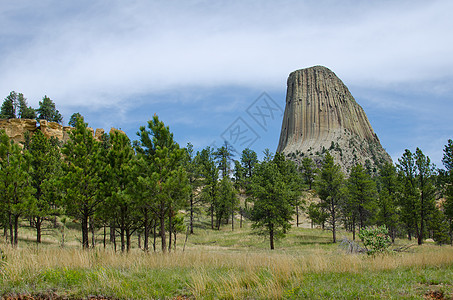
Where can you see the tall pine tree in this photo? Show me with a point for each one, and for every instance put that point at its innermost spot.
(330, 188)
(82, 179)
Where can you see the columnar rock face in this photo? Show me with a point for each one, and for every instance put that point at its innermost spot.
(322, 115)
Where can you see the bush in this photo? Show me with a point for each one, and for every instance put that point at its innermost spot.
(375, 239)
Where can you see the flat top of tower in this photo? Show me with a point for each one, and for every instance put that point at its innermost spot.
(317, 68)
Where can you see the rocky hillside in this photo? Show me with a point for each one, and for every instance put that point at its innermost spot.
(15, 129)
(320, 115)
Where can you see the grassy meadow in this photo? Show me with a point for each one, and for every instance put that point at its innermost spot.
(223, 264)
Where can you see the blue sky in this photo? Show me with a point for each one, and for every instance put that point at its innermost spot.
(203, 65)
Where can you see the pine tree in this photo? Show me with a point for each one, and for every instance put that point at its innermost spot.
(25, 111)
(361, 196)
(45, 160)
(164, 176)
(8, 110)
(389, 189)
(308, 169)
(426, 190)
(249, 159)
(121, 203)
(224, 155)
(82, 176)
(193, 167)
(416, 172)
(293, 180)
(73, 119)
(15, 189)
(409, 195)
(227, 202)
(47, 111)
(329, 186)
(272, 211)
(447, 160)
(210, 174)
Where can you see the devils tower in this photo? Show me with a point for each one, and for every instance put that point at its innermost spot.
(321, 115)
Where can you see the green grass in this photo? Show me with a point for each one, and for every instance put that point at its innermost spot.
(225, 264)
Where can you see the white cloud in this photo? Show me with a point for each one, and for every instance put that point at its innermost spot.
(98, 54)
(105, 52)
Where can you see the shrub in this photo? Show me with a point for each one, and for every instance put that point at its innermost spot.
(375, 239)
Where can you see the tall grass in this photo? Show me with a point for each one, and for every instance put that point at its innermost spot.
(212, 274)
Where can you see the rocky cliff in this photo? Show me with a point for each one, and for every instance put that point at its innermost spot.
(320, 115)
(15, 129)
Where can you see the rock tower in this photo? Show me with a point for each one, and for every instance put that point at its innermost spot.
(321, 115)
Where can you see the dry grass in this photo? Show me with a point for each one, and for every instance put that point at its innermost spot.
(207, 274)
(226, 265)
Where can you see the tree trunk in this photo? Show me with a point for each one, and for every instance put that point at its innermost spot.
(154, 234)
(38, 229)
(146, 233)
(212, 216)
(16, 229)
(422, 217)
(123, 242)
(297, 215)
(170, 228)
(162, 228)
(191, 213)
(11, 229)
(93, 234)
(174, 242)
(128, 239)
(85, 244)
(271, 236)
(334, 233)
(232, 220)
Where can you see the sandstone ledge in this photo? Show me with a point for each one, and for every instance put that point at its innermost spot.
(16, 128)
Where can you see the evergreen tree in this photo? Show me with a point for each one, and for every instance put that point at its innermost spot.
(164, 176)
(47, 111)
(73, 119)
(308, 169)
(329, 186)
(409, 194)
(293, 180)
(45, 160)
(121, 204)
(239, 176)
(224, 155)
(426, 190)
(361, 197)
(82, 179)
(15, 189)
(447, 160)
(272, 211)
(249, 159)
(8, 110)
(227, 202)
(193, 167)
(25, 111)
(210, 174)
(416, 172)
(388, 184)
